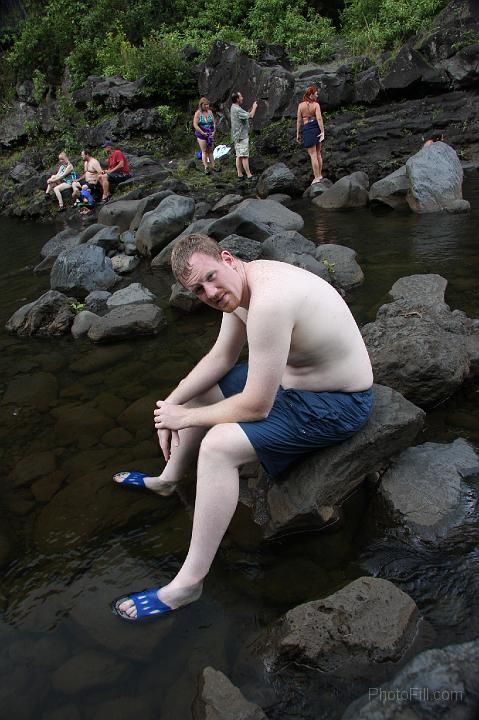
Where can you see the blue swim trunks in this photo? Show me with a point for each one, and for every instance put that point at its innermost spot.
(300, 421)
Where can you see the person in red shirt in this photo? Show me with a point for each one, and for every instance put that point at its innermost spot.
(116, 172)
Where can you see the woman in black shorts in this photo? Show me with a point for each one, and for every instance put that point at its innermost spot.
(310, 121)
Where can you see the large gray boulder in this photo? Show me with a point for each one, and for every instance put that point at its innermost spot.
(291, 247)
(21, 172)
(128, 321)
(163, 259)
(310, 492)
(150, 202)
(435, 179)
(81, 270)
(64, 240)
(107, 238)
(50, 315)
(256, 219)
(113, 91)
(134, 294)
(14, 123)
(348, 192)
(219, 699)
(391, 190)
(423, 486)
(183, 299)
(370, 621)
(418, 346)
(437, 684)
(342, 266)
(119, 213)
(158, 227)
(278, 178)
(241, 247)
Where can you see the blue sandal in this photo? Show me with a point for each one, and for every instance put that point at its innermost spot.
(148, 606)
(133, 479)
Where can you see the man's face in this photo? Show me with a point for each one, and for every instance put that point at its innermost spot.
(109, 150)
(240, 99)
(215, 282)
(83, 154)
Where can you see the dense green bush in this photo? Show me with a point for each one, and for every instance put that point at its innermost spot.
(371, 26)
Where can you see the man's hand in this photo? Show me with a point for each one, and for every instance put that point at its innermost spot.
(166, 438)
(170, 417)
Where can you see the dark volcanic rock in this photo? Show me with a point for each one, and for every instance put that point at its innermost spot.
(14, 123)
(278, 178)
(81, 270)
(349, 192)
(219, 699)
(158, 227)
(128, 321)
(241, 247)
(114, 91)
(305, 496)
(418, 346)
(370, 621)
(256, 219)
(439, 683)
(183, 299)
(51, 314)
(423, 487)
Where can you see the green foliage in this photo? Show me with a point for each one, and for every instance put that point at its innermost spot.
(77, 307)
(306, 35)
(371, 26)
(469, 37)
(40, 85)
(167, 114)
(330, 267)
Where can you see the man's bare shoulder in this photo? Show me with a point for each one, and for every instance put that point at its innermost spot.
(264, 275)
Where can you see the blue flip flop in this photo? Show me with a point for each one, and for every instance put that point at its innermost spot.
(133, 479)
(148, 606)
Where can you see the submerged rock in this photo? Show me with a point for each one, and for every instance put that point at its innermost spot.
(219, 699)
(368, 622)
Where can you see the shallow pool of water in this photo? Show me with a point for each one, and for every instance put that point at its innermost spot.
(71, 541)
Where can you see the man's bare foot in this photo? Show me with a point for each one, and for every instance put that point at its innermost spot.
(153, 483)
(171, 596)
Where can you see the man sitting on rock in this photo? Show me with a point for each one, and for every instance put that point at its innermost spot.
(116, 172)
(307, 385)
(92, 171)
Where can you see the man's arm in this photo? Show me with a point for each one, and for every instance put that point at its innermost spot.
(215, 364)
(270, 325)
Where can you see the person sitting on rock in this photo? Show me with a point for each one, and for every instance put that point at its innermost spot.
(61, 180)
(307, 385)
(116, 172)
(91, 176)
(205, 127)
(86, 200)
(309, 122)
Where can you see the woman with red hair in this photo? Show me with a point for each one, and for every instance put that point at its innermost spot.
(310, 121)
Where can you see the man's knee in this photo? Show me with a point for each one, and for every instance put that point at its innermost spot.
(215, 444)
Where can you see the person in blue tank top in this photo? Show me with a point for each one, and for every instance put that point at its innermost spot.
(205, 127)
(61, 180)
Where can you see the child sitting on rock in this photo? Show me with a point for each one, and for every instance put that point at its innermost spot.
(86, 200)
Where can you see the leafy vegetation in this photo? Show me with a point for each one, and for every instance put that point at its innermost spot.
(146, 37)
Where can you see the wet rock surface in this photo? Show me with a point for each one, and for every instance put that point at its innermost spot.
(82, 270)
(418, 346)
(50, 315)
(436, 684)
(424, 487)
(218, 698)
(128, 321)
(370, 621)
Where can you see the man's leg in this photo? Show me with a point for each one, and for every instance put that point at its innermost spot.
(105, 186)
(224, 449)
(239, 166)
(183, 455)
(246, 166)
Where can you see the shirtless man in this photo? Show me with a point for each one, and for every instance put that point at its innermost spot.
(91, 174)
(307, 385)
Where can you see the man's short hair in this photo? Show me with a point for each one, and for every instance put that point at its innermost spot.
(87, 150)
(235, 97)
(186, 247)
